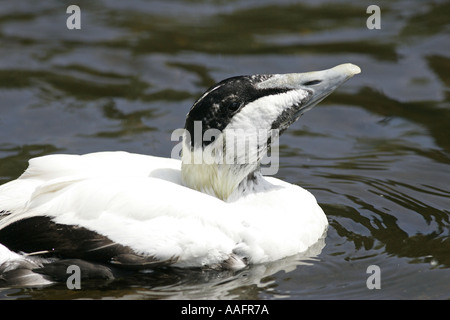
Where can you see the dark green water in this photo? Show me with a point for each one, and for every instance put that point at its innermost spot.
(375, 154)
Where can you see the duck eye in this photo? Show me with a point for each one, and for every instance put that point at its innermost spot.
(233, 106)
(311, 83)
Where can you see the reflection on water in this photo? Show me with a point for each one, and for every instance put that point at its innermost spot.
(173, 283)
(375, 153)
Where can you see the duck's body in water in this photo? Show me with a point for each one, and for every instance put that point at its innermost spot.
(212, 209)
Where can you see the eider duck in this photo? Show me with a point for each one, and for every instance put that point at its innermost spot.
(213, 208)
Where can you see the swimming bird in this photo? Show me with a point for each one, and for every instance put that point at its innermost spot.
(213, 208)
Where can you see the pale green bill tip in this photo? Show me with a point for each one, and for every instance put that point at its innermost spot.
(349, 68)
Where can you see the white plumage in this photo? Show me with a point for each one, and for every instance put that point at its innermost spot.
(139, 201)
(186, 215)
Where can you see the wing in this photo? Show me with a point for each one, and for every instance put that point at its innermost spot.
(27, 206)
(120, 208)
(40, 235)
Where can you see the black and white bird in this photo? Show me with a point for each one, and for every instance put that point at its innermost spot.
(211, 209)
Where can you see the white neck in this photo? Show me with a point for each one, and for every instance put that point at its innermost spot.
(201, 170)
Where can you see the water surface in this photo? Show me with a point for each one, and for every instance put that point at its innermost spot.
(375, 153)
